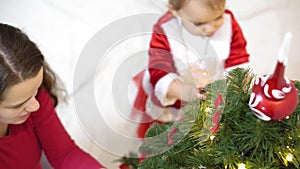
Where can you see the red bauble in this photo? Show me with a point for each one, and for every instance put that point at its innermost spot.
(269, 107)
(124, 166)
(274, 97)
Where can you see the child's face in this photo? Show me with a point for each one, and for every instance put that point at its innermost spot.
(19, 100)
(200, 19)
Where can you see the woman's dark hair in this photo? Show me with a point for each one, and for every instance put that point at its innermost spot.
(20, 59)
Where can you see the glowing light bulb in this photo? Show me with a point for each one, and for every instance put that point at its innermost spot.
(208, 109)
(289, 157)
(242, 166)
(211, 137)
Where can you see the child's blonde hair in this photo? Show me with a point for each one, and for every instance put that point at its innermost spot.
(214, 4)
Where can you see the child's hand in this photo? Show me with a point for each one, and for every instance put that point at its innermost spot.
(201, 94)
(185, 92)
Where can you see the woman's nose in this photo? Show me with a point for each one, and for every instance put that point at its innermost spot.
(32, 105)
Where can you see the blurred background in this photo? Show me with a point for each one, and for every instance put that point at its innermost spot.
(61, 29)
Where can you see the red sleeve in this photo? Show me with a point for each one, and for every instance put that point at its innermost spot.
(238, 53)
(160, 57)
(60, 149)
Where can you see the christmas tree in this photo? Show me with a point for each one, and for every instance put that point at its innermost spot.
(245, 122)
(238, 140)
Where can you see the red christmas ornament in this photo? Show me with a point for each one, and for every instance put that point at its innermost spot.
(217, 115)
(171, 133)
(275, 97)
(124, 166)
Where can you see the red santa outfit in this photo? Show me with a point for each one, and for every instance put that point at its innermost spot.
(172, 50)
(42, 131)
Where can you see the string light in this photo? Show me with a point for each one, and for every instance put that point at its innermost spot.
(201, 167)
(212, 137)
(208, 109)
(242, 166)
(289, 157)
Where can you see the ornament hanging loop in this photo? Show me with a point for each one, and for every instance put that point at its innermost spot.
(277, 86)
(285, 48)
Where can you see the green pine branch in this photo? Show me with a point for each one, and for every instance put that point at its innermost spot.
(241, 138)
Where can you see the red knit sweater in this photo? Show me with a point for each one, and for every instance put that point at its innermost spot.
(42, 131)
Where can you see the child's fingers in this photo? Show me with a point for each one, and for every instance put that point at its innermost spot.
(202, 90)
(201, 96)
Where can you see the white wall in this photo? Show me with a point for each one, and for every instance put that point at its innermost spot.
(264, 23)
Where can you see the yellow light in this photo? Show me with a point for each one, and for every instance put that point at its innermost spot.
(212, 137)
(289, 157)
(208, 109)
(242, 166)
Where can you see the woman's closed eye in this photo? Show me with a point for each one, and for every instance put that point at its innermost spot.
(21, 104)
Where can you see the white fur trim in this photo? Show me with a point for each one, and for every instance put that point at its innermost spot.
(146, 83)
(221, 39)
(162, 87)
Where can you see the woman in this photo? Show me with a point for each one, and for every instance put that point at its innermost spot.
(28, 121)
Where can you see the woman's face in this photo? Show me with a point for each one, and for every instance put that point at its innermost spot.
(200, 19)
(19, 100)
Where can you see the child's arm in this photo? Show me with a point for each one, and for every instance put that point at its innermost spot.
(180, 91)
(163, 74)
